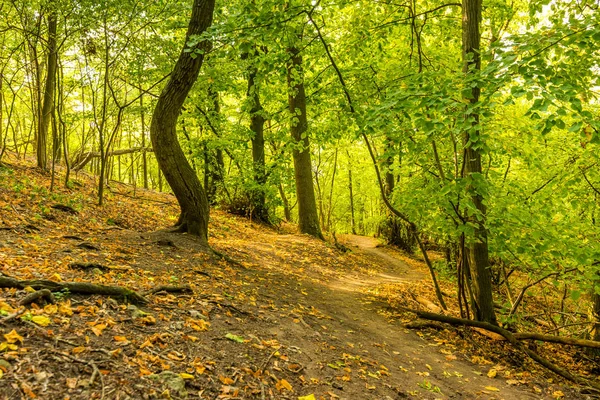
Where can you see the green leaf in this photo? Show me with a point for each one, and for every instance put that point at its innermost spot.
(576, 127)
(575, 295)
(235, 338)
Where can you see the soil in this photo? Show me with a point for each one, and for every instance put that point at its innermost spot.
(273, 314)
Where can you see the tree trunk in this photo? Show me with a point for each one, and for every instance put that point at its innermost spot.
(477, 250)
(388, 161)
(170, 157)
(595, 333)
(257, 123)
(352, 220)
(144, 155)
(287, 213)
(215, 166)
(308, 217)
(330, 209)
(48, 104)
(2, 140)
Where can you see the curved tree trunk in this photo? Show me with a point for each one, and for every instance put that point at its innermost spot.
(172, 161)
(478, 258)
(307, 206)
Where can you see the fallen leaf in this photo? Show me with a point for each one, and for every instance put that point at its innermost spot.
(148, 320)
(283, 384)
(235, 338)
(492, 389)
(71, 383)
(176, 356)
(41, 320)
(308, 397)
(98, 329)
(51, 309)
(13, 337)
(186, 376)
(27, 390)
(198, 324)
(6, 307)
(65, 308)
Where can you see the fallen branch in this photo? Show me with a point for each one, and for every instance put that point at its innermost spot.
(557, 339)
(95, 371)
(512, 339)
(13, 316)
(84, 158)
(74, 287)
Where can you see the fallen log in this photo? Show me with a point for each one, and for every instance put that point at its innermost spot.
(512, 339)
(119, 292)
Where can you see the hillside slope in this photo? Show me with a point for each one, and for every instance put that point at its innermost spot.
(271, 314)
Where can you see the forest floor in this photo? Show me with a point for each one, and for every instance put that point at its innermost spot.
(273, 314)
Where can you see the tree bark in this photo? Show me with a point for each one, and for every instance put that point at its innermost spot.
(352, 220)
(257, 123)
(48, 105)
(595, 334)
(2, 140)
(214, 163)
(144, 156)
(478, 257)
(170, 157)
(308, 217)
(287, 212)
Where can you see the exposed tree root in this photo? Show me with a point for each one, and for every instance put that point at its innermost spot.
(127, 295)
(223, 256)
(85, 266)
(44, 294)
(514, 340)
(169, 289)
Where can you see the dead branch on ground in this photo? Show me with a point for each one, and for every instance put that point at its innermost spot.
(514, 339)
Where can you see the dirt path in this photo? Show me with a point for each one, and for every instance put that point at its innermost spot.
(417, 367)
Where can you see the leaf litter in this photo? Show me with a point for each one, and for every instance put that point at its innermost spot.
(283, 316)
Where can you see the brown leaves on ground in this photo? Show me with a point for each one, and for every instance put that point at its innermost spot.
(256, 328)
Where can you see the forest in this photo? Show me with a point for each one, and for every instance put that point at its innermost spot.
(198, 166)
